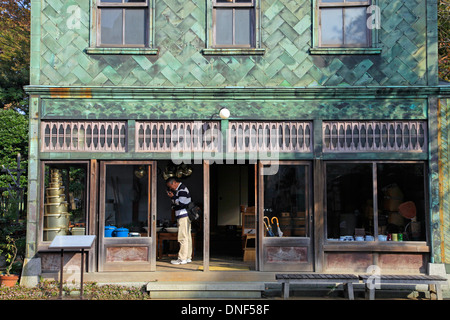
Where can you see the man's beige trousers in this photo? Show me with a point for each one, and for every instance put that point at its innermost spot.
(184, 238)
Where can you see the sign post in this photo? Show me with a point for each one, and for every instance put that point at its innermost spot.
(72, 243)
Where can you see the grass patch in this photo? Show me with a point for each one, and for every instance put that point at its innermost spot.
(46, 290)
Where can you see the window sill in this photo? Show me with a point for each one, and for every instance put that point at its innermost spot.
(345, 51)
(233, 51)
(376, 246)
(143, 51)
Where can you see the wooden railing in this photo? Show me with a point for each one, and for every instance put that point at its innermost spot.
(242, 136)
(284, 136)
(160, 136)
(84, 136)
(373, 136)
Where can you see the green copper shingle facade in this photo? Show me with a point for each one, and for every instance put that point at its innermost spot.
(181, 32)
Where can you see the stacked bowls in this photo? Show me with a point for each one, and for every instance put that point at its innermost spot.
(56, 216)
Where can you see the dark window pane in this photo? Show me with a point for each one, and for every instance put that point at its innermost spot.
(349, 200)
(135, 26)
(224, 26)
(110, 1)
(401, 200)
(243, 26)
(286, 198)
(126, 198)
(111, 26)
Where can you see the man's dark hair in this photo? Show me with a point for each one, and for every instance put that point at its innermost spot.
(171, 180)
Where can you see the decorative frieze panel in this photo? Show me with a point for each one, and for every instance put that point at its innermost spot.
(83, 136)
(160, 136)
(270, 136)
(373, 136)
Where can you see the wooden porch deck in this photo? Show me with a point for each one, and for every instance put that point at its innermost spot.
(220, 269)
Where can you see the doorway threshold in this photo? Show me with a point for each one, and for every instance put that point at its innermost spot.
(215, 264)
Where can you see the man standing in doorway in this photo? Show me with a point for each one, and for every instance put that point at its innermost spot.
(181, 197)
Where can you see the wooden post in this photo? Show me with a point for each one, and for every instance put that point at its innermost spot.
(61, 274)
(206, 215)
(81, 276)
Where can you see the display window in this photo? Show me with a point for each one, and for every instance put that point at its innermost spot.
(65, 199)
(376, 201)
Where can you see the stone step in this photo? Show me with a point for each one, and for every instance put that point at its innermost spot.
(185, 289)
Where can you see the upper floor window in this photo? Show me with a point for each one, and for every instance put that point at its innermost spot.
(234, 23)
(123, 23)
(343, 23)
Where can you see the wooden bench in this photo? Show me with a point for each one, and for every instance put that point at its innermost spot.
(372, 281)
(313, 278)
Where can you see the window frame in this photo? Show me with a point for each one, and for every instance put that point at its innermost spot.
(232, 5)
(123, 6)
(95, 45)
(372, 46)
(343, 5)
(213, 49)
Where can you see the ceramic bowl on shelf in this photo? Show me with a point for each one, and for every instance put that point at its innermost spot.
(172, 229)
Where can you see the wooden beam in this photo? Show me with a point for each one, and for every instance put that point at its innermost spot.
(206, 215)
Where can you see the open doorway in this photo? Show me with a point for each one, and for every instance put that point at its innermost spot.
(233, 217)
(167, 245)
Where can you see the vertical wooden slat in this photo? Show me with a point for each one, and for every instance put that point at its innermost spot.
(206, 215)
(92, 213)
(259, 203)
(153, 211)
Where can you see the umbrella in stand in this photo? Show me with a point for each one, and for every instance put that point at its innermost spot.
(268, 227)
(280, 233)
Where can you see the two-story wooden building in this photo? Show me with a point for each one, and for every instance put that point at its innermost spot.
(322, 117)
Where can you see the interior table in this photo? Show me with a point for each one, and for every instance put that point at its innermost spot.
(72, 243)
(171, 236)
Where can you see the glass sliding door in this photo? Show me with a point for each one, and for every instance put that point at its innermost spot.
(126, 218)
(286, 216)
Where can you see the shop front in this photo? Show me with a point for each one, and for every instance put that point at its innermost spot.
(284, 195)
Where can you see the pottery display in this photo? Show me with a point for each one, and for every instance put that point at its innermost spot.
(56, 215)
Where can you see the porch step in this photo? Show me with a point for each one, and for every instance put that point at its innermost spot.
(186, 290)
